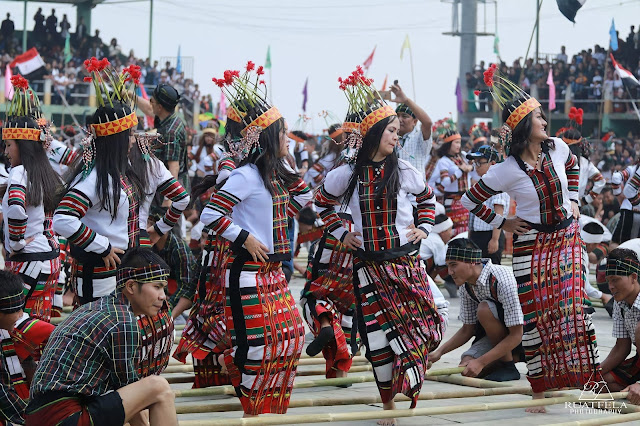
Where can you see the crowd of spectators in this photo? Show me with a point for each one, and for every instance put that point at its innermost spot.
(588, 74)
(67, 73)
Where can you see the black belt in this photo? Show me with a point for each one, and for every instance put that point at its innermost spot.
(552, 227)
(383, 255)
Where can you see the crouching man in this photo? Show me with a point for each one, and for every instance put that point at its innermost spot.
(490, 311)
(88, 373)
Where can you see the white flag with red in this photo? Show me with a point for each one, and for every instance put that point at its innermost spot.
(28, 62)
(628, 79)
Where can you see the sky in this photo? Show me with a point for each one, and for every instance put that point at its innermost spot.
(324, 39)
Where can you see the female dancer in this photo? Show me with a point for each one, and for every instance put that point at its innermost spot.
(398, 321)
(559, 339)
(451, 175)
(30, 249)
(330, 157)
(264, 324)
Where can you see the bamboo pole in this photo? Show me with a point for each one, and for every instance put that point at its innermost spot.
(362, 399)
(228, 390)
(468, 381)
(387, 414)
(188, 366)
(621, 418)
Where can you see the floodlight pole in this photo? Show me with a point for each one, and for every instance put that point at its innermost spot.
(24, 27)
(150, 29)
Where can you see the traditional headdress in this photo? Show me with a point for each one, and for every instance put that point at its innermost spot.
(366, 107)
(145, 274)
(24, 120)
(297, 130)
(247, 98)
(504, 91)
(334, 128)
(446, 130)
(479, 133)
(146, 141)
(116, 107)
(464, 254)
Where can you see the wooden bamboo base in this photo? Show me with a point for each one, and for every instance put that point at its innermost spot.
(388, 414)
(188, 366)
(228, 390)
(468, 381)
(621, 418)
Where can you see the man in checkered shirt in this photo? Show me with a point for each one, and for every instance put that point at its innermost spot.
(619, 372)
(88, 373)
(490, 311)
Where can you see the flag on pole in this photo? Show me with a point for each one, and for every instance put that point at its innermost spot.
(67, 49)
(405, 45)
(148, 120)
(28, 62)
(267, 62)
(367, 62)
(8, 87)
(304, 95)
(613, 36)
(384, 83)
(552, 91)
(179, 62)
(569, 8)
(459, 97)
(496, 45)
(222, 106)
(628, 79)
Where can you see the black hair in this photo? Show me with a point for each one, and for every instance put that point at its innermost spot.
(520, 135)
(623, 254)
(42, 180)
(576, 148)
(111, 163)
(443, 150)
(139, 257)
(307, 216)
(463, 243)
(299, 133)
(370, 144)
(265, 157)
(10, 285)
(441, 218)
(593, 228)
(145, 169)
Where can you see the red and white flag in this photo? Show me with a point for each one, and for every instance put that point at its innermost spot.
(628, 79)
(367, 62)
(552, 91)
(28, 62)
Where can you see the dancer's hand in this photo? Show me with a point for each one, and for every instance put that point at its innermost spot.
(435, 356)
(473, 368)
(256, 249)
(112, 260)
(351, 241)
(493, 245)
(415, 235)
(515, 225)
(575, 210)
(634, 393)
(154, 237)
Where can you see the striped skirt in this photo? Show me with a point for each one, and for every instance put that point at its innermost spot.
(458, 214)
(156, 342)
(398, 323)
(267, 336)
(559, 338)
(205, 334)
(40, 279)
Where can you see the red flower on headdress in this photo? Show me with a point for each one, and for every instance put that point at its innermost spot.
(228, 77)
(250, 66)
(262, 82)
(488, 75)
(134, 74)
(19, 82)
(476, 92)
(88, 79)
(96, 65)
(218, 82)
(235, 73)
(260, 70)
(576, 114)
(358, 71)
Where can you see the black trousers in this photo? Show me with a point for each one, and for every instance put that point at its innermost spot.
(482, 238)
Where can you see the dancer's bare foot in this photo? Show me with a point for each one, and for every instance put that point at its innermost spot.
(391, 405)
(537, 409)
(223, 366)
(340, 374)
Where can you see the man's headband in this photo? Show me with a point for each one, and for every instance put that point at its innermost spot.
(464, 255)
(622, 267)
(145, 274)
(12, 303)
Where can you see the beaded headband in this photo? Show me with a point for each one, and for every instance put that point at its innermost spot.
(405, 109)
(464, 255)
(12, 303)
(622, 267)
(145, 274)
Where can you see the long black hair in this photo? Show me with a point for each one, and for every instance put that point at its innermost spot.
(266, 158)
(520, 135)
(370, 144)
(111, 163)
(576, 148)
(42, 180)
(144, 169)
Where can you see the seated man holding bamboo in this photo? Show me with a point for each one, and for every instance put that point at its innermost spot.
(490, 311)
(88, 373)
(620, 372)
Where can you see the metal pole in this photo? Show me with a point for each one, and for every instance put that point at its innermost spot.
(413, 80)
(537, 29)
(24, 27)
(469, 9)
(150, 29)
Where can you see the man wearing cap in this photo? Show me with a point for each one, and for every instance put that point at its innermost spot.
(88, 374)
(490, 311)
(415, 142)
(21, 341)
(596, 237)
(173, 149)
(490, 240)
(619, 371)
